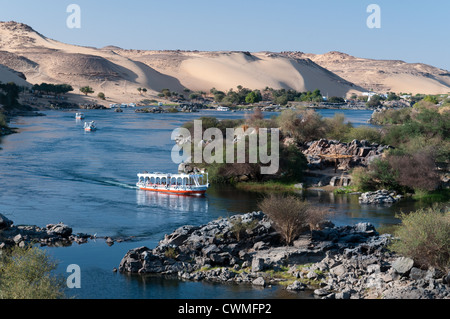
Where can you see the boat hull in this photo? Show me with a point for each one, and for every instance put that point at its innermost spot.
(194, 192)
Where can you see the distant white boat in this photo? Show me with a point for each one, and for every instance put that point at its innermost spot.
(223, 108)
(123, 105)
(132, 105)
(113, 106)
(90, 127)
(79, 116)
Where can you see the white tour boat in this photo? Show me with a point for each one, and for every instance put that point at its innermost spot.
(223, 108)
(79, 116)
(180, 184)
(89, 127)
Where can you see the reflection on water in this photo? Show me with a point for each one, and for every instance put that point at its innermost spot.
(172, 202)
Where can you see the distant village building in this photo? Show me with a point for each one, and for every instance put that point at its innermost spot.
(370, 94)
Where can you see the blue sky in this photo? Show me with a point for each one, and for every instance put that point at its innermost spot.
(413, 31)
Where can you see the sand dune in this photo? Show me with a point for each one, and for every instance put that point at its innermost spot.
(118, 73)
(8, 75)
(383, 75)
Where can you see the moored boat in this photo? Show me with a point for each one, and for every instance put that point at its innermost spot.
(90, 126)
(223, 108)
(181, 184)
(79, 116)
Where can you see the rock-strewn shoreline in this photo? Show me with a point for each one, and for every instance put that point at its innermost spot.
(347, 262)
(50, 235)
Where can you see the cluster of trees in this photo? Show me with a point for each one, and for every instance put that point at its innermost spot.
(166, 93)
(421, 137)
(245, 96)
(307, 125)
(142, 90)
(283, 96)
(9, 95)
(241, 96)
(302, 126)
(52, 88)
(86, 90)
(56, 89)
(292, 162)
(421, 140)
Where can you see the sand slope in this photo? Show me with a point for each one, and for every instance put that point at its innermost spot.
(118, 73)
(383, 75)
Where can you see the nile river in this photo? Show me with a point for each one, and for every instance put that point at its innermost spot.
(52, 171)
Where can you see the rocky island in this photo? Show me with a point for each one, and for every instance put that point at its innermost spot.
(345, 262)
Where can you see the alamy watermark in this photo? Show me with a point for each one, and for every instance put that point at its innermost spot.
(74, 279)
(73, 21)
(374, 19)
(239, 145)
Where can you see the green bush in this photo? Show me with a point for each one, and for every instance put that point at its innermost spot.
(337, 128)
(363, 132)
(424, 236)
(239, 228)
(25, 273)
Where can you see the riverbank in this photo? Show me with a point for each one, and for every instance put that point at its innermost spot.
(52, 235)
(347, 262)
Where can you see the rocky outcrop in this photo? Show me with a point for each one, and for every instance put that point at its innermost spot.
(380, 197)
(357, 274)
(52, 235)
(333, 262)
(361, 152)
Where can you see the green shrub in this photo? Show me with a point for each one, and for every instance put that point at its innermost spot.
(424, 236)
(172, 110)
(171, 253)
(25, 273)
(337, 128)
(239, 228)
(362, 179)
(363, 132)
(303, 125)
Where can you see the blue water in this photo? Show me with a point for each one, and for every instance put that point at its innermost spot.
(52, 171)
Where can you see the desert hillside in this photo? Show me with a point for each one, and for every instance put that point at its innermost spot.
(383, 75)
(118, 73)
(27, 54)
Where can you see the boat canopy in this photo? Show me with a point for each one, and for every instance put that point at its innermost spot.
(173, 179)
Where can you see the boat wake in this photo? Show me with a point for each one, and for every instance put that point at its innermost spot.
(118, 184)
